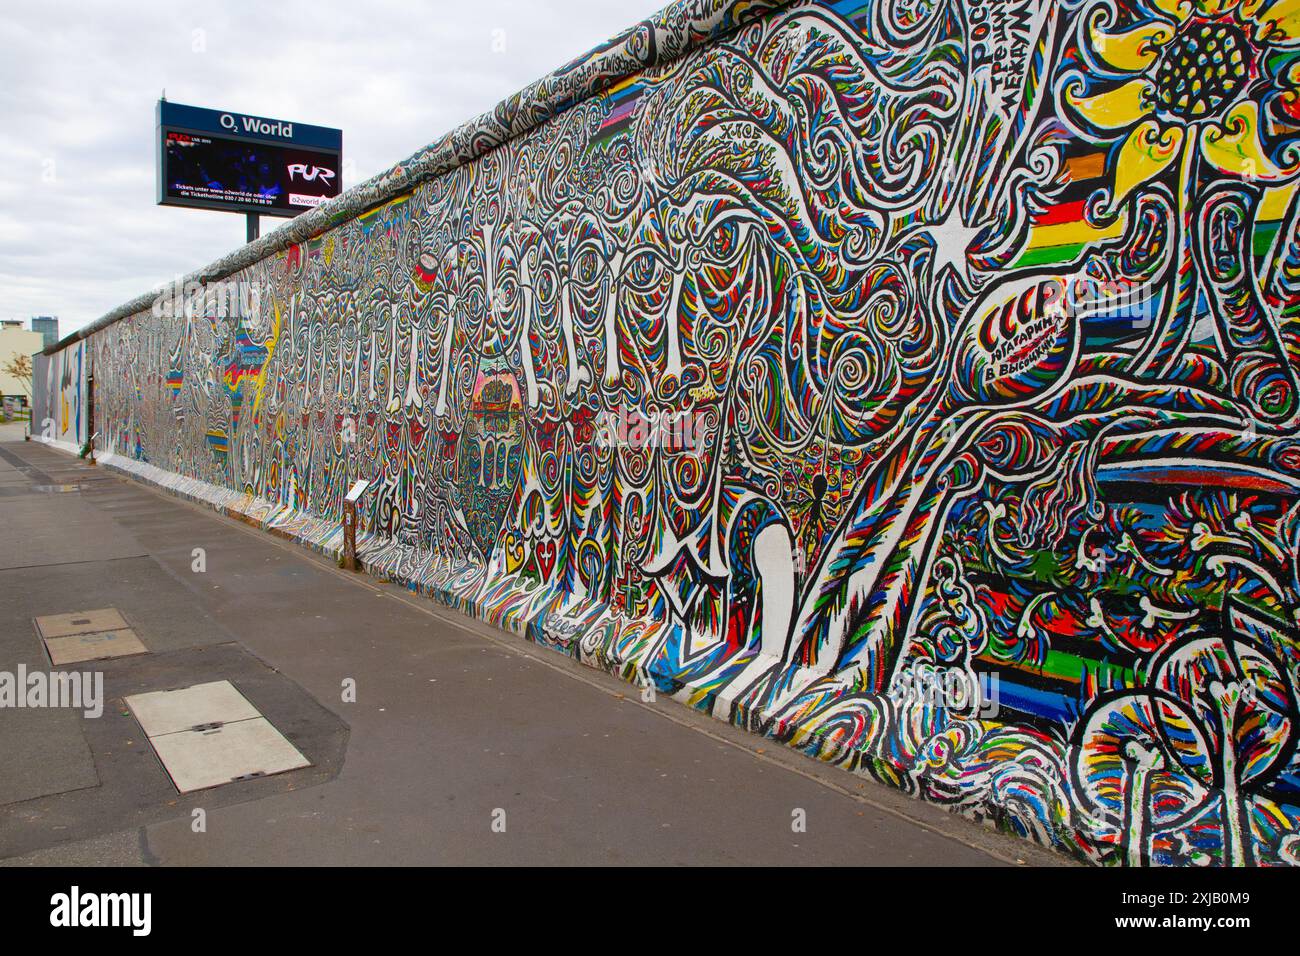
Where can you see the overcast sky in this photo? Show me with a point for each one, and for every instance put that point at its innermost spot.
(79, 82)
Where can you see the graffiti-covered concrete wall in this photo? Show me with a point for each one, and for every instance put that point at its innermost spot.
(912, 381)
(59, 400)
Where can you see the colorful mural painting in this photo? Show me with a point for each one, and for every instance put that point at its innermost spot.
(59, 402)
(915, 382)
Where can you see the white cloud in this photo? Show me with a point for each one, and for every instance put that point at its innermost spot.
(79, 229)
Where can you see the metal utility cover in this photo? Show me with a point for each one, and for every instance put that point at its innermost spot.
(80, 622)
(170, 711)
(209, 734)
(93, 647)
(198, 759)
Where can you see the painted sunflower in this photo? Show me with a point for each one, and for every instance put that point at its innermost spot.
(1193, 77)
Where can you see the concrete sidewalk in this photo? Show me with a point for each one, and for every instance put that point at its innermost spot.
(453, 721)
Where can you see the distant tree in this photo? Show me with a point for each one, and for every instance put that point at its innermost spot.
(20, 367)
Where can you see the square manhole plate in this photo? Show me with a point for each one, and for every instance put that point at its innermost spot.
(80, 622)
(198, 759)
(94, 647)
(209, 734)
(169, 711)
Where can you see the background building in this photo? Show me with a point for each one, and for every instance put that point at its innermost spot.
(48, 326)
(16, 340)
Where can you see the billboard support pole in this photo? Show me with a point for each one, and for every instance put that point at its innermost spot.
(254, 225)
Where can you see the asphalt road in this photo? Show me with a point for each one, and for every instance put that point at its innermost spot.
(455, 726)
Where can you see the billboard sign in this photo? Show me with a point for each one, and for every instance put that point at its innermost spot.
(210, 159)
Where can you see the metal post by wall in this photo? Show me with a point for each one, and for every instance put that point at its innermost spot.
(350, 535)
(90, 417)
(350, 523)
(254, 226)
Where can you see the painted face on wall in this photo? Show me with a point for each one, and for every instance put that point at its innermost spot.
(589, 262)
(696, 276)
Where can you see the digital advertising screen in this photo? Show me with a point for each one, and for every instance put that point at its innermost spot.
(209, 159)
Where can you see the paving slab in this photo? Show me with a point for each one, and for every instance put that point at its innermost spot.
(98, 646)
(199, 759)
(43, 530)
(43, 752)
(80, 622)
(42, 749)
(170, 711)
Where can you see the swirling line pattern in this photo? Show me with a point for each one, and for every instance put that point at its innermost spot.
(983, 319)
